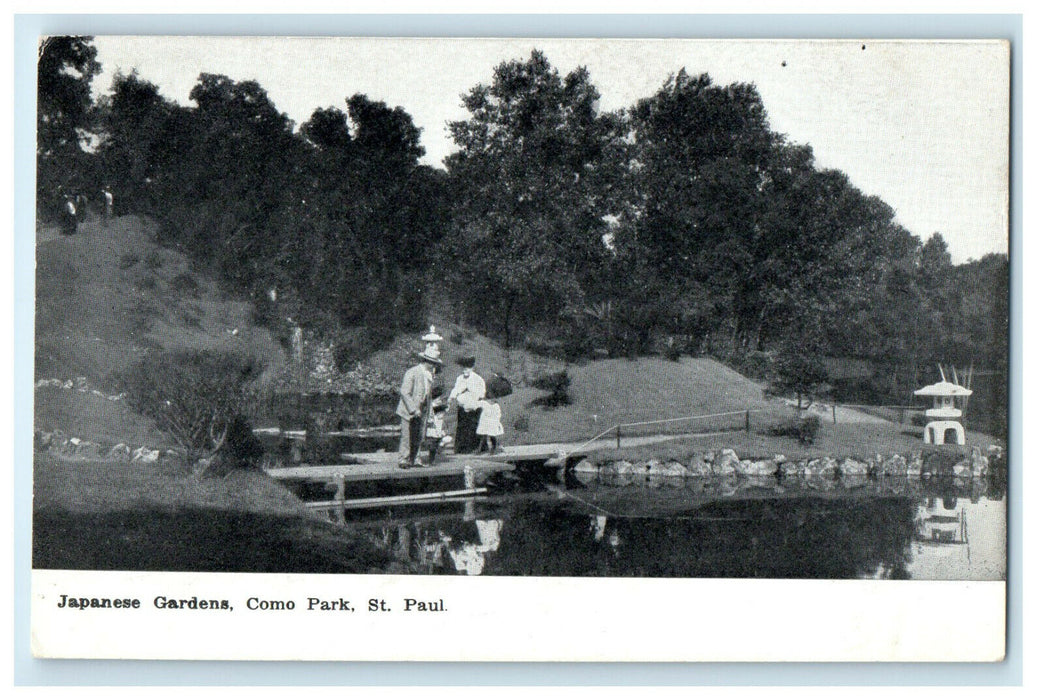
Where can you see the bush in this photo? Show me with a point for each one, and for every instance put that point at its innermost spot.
(521, 423)
(557, 383)
(805, 430)
(193, 396)
(128, 260)
(242, 449)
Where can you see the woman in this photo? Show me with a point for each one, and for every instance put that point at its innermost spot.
(468, 391)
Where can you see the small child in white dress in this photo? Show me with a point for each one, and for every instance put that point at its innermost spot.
(489, 426)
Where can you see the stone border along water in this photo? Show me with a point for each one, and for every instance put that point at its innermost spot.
(934, 462)
(61, 445)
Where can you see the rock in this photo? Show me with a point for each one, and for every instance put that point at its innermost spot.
(119, 453)
(762, 467)
(653, 466)
(791, 469)
(851, 467)
(81, 384)
(914, 465)
(585, 466)
(145, 456)
(42, 440)
(700, 466)
(779, 459)
(618, 468)
(674, 469)
(69, 446)
(822, 468)
(725, 463)
(994, 451)
(893, 466)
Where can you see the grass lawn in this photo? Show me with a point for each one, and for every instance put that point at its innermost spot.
(95, 515)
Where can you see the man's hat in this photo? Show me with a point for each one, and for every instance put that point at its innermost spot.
(430, 355)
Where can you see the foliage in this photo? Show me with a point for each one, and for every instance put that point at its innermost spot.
(527, 179)
(805, 430)
(799, 370)
(521, 423)
(65, 67)
(557, 384)
(193, 396)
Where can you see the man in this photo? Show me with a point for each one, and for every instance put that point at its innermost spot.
(414, 410)
(468, 391)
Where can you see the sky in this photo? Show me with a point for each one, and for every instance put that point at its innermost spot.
(922, 125)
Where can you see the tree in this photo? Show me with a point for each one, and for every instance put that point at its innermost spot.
(65, 67)
(527, 234)
(194, 396)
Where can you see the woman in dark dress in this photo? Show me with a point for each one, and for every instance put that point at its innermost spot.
(468, 391)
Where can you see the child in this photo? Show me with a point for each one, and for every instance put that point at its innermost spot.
(435, 432)
(489, 426)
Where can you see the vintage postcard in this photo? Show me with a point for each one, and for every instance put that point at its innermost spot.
(521, 349)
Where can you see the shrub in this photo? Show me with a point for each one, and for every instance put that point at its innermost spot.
(154, 260)
(242, 449)
(128, 260)
(804, 430)
(808, 430)
(557, 384)
(194, 396)
(521, 423)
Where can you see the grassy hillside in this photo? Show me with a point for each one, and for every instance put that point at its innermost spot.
(103, 298)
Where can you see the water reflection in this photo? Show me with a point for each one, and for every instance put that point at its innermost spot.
(759, 527)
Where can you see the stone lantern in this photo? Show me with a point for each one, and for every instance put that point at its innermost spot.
(431, 341)
(944, 415)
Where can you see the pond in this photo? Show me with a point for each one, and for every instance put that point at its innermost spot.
(754, 527)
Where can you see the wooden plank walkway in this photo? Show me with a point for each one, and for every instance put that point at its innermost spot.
(379, 466)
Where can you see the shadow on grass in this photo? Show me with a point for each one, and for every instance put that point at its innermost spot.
(197, 539)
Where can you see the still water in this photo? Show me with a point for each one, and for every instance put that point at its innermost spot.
(732, 527)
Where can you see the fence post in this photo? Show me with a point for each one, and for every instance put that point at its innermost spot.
(747, 421)
(902, 415)
(618, 437)
(833, 409)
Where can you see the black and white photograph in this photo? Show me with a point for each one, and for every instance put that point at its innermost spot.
(556, 309)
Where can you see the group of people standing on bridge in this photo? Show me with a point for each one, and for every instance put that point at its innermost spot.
(478, 414)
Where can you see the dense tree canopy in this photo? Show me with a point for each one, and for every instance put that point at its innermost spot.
(682, 221)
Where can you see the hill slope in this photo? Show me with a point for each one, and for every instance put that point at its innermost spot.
(103, 298)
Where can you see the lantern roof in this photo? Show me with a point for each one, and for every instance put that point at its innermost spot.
(943, 389)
